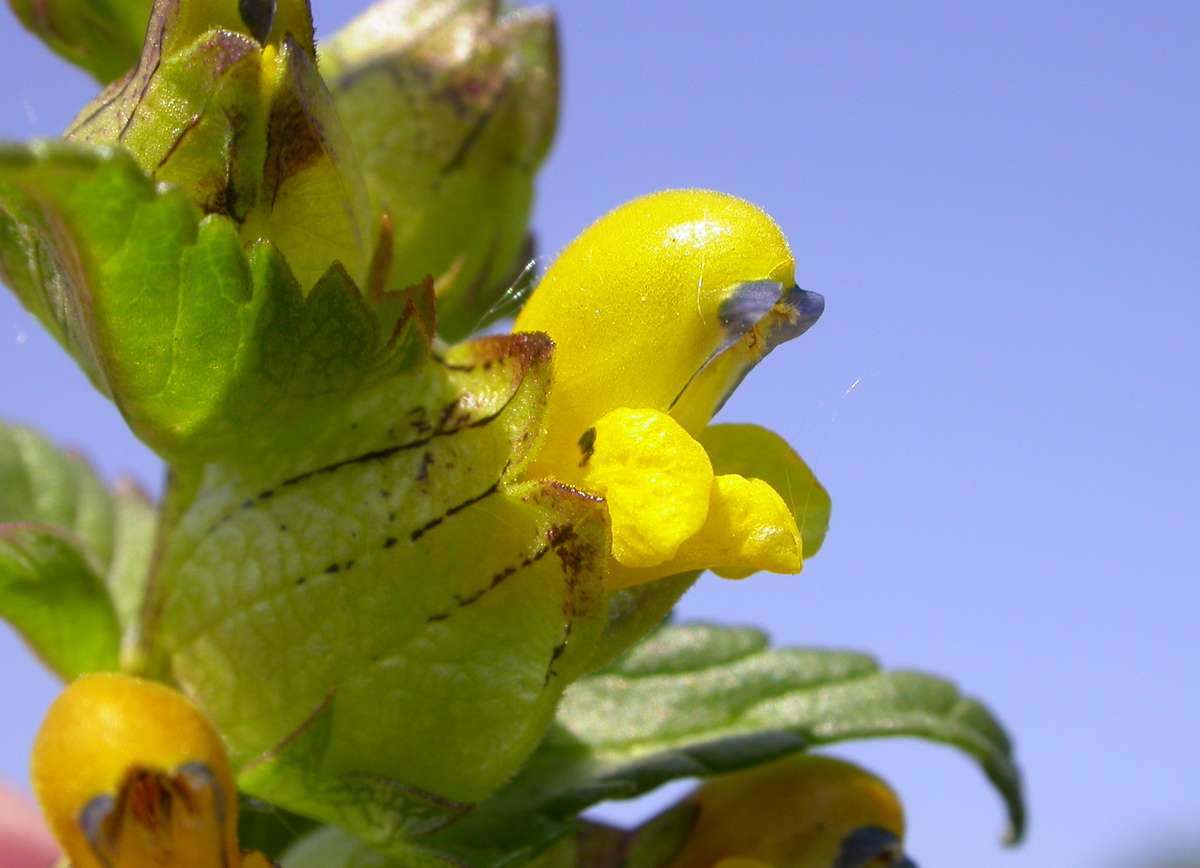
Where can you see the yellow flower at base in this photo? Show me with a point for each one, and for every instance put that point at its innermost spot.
(657, 312)
(804, 811)
(131, 774)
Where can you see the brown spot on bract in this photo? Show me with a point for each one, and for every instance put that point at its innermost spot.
(523, 349)
(423, 470)
(295, 140)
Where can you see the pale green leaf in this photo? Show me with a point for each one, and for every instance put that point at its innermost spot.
(42, 484)
(133, 548)
(451, 108)
(690, 701)
(103, 37)
(110, 534)
(56, 600)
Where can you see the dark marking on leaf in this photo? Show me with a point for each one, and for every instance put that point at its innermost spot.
(498, 578)
(193, 122)
(388, 452)
(557, 652)
(272, 752)
(466, 601)
(389, 542)
(419, 421)
(454, 510)
(423, 470)
(295, 139)
(450, 366)
(234, 200)
(367, 458)
(448, 414)
(572, 560)
(477, 128)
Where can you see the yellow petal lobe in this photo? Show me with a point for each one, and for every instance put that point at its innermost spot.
(748, 528)
(655, 478)
(749, 450)
(131, 774)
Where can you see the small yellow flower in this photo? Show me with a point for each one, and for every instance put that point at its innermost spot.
(131, 774)
(657, 312)
(804, 811)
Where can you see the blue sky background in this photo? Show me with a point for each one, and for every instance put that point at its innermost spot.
(1001, 204)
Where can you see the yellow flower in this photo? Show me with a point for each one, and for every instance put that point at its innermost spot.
(131, 774)
(657, 312)
(804, 811)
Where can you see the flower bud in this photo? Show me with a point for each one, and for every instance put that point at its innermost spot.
(451, 107)
(227, 103)
(131, 774)
(804, 811)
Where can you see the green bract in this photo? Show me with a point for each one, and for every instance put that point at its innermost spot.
(452, 106)
(336, 598)
(248, 130)
(388, 563)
